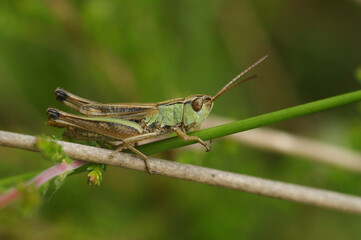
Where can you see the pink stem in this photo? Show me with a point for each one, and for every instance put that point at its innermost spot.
(40, 179)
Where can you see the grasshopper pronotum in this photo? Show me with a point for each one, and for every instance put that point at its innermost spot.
(134, 122)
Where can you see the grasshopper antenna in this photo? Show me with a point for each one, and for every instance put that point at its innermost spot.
(231, 84)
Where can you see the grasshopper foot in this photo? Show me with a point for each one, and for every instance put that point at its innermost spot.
(147, 166)
(208, 148)
(185, 137)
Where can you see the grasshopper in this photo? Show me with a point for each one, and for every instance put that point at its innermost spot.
(134, 122)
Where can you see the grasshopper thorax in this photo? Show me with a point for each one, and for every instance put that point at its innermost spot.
(187, 113)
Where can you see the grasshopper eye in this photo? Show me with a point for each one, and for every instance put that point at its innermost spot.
(197, 104)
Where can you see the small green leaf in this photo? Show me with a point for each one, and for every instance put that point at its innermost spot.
(51, 150)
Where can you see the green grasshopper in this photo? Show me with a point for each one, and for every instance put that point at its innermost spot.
(134, 122)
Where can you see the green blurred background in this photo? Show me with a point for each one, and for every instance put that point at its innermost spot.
(148, 51)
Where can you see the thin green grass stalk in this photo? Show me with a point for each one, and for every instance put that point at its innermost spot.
(254, 122)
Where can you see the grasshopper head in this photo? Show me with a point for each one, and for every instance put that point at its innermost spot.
(196, 109)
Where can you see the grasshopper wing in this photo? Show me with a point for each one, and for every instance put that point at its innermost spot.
(131, 111)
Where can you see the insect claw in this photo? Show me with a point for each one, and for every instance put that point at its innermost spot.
(209, 148)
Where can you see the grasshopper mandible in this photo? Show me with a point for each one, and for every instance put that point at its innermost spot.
(134, 122)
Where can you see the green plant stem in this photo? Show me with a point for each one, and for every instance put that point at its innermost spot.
(254, 122)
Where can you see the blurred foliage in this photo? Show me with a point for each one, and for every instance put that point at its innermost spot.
(138, 51)
(30, 198)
